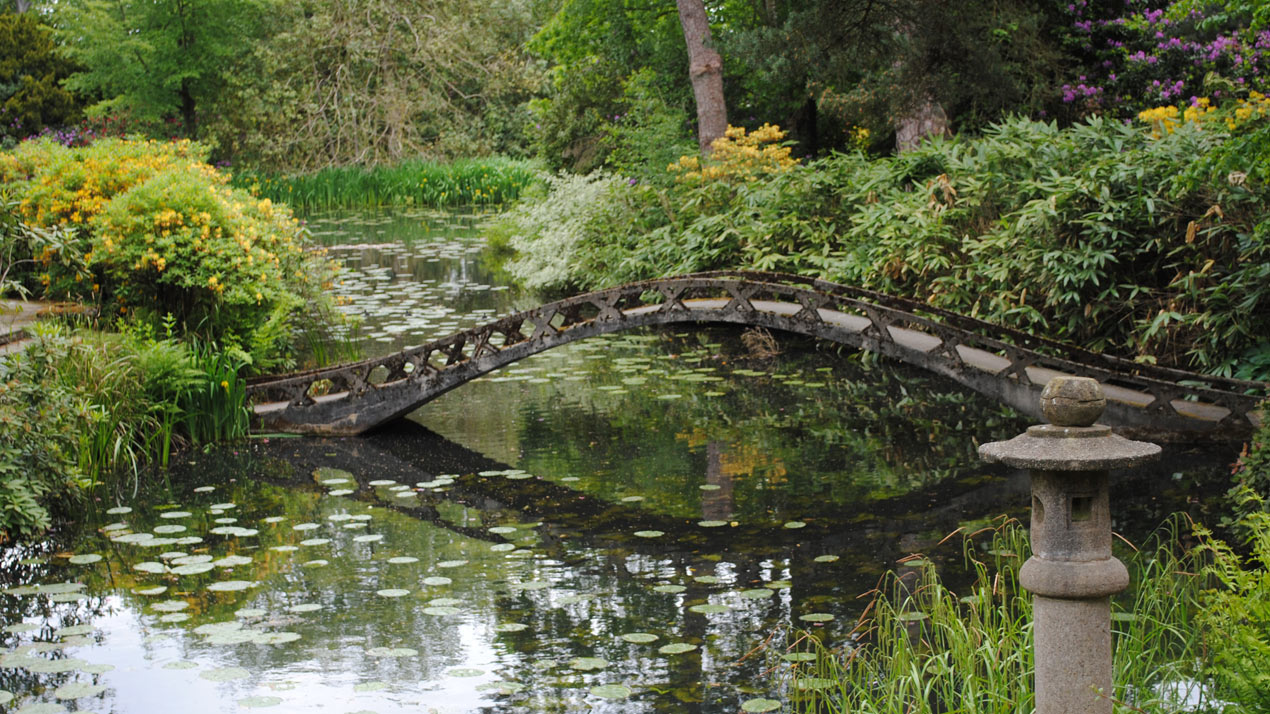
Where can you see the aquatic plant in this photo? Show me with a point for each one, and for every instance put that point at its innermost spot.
(465, 182)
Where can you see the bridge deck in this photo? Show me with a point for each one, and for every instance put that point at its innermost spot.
(1144, 400)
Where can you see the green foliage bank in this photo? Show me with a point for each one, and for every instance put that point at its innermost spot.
(1100, 234)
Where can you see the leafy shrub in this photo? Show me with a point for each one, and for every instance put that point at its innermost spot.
(1099, 234)
(31, 74)
(738, 156)
(546, 232)
(167, 236)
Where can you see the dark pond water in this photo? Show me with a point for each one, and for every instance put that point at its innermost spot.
(614, 526)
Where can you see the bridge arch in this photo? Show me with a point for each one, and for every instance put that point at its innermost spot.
(998, 362)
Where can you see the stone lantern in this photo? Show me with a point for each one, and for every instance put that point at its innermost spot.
(1071, 572)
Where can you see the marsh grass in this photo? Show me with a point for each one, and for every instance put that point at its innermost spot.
(919, 647)
(490, 181)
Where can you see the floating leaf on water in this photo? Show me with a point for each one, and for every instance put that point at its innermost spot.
(640, 638)
(757, 593)
(915, 563)
(181, 664)
(587, 664)
(511, 627)
(84, 559)
(191, 540)
(708, 579)
(795, 524)
(259, 701)
(204, 489)
(193, 568)
(572, 599)
(392, 592)
(671, 589)
(912, 616)
(374, 686)
(172, 617)
(285, 548)
(825, 558)
(709, 487)
(229, 586)
(669, 396)
(157, 590)
(60, 588)
(632, 499)
(273, 519)
(612, 691)
(437, 580)
(440, 611)
(169, 529)
(112, 527)
(315, 541)
(149, 566)
(275, 638)
(533, 585)
(250, 612)
(169, 606)
(465, 672)
(118, 510)
(238, 531)
(816, 617)
(709, 609)
(223, 521)
(340, 492)
(224, 674)
(504, 688)
(569, 479)
(305, 526)
(157, 542)
(502, 547)
(452, 563)
(21, 627)
(799, 656)
(232, 561)
(354, 526)
(650, 534)
(133, 538)
(676, 648)
(445, 601)
(519, 476)
(55, 666)
(502, 530)
(305, 607)
(176, 514)
(779, 585)
(391, 652)
(78, 690)
(368, 538)
(222, 506)
(760, 705)
(213, 628)
(382, 482)
(403, 559)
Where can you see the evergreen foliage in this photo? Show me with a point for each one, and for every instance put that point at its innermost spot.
(31, 72)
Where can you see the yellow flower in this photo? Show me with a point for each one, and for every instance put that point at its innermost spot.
(225, 383)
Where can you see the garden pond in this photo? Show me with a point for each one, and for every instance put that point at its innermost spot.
(636, 523)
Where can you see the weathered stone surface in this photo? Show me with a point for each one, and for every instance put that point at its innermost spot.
(1047, 447)
(1072, 401)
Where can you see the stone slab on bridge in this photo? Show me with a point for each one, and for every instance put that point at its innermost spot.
(1145, 400)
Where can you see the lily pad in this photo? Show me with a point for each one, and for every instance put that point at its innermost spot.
(340, 492)
(676, 648)
(20, 627)
(374, 686)
(712, 524)
(793, 525)
(305, 607)
(232, 561)
(317, 563)
(84, 559)
(391, 652)
(437, 580)
(259, 701)
(650, 534)
(285, 548)
(224, 674)
(176, 514)
(502, 547)
(452, 563)
(779, 585)
(229, 586)
(275, 638)
(441, 611)
(670, 589)
(250, 612)
(170, 529)
(222, 506)
(204, 489)
(305, 526)
(169, 606)
(757, 593)
(392, 592)
(312, 542)
(708, 609)
(799, 656)
(502, 530)
(511, 627)
(640, 638)
(632, 499)
(173, 617)
(193, 568)
(709, 487)
(708, 579)
(181, 664)
(402, 560)
(42, 708)
(73, 631)
(825, 558)
(587, 664)
(118, 510)
(465, 672)
(816, 617)
(612, 691)
(368, 538)
(382, 482)
(149, 566)
(760, 705)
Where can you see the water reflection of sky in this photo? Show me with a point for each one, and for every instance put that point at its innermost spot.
(663, 483)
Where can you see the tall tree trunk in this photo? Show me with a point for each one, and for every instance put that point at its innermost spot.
(188, 115)
(925, 119)
(21, 6)
(705, 69)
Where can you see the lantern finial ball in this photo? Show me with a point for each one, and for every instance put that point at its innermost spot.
(1072, 401)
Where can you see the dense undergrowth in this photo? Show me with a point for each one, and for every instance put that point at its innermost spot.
(1101, 234)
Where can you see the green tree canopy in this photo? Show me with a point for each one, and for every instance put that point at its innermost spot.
(158, 60)
(31, 96)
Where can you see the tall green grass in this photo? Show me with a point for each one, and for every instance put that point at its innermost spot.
(921, 648)
(489, 181)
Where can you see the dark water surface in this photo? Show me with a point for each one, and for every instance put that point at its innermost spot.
(529, 540)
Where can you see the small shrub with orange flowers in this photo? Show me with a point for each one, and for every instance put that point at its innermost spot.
(163, 233)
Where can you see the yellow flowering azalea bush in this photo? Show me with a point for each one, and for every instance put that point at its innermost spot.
(739, 156)
(1202, 112)
(163, 233)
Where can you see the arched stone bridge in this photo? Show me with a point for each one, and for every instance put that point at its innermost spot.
(1001, 363)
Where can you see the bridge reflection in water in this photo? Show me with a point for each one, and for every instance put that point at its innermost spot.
(1010, 366)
